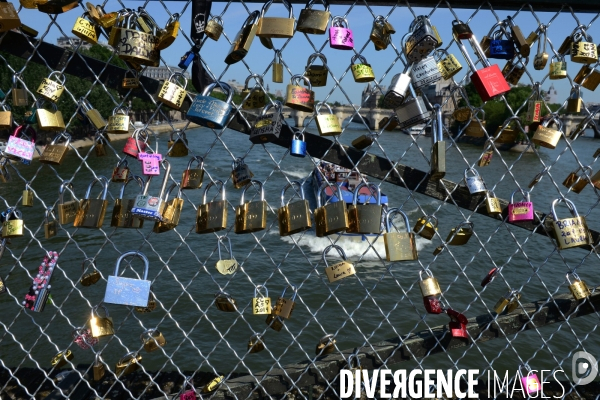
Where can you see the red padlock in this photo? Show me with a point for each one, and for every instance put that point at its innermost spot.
(136, 143)
(489, 277)
(488, 81)
(120, 174)
(432, 305)
(458, 324)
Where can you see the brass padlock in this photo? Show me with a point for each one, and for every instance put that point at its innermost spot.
(512, 72)
(274, 322)
(330, 218)
(132, 82)
(129, 363)
(339, 270)
(430, 285)
(150, 305)
(67, 211)
(558, 68)
(240, 174)
(99, 148)
(277, 73)
(316, 74)
(424, 228)
(171, 93)
(399, 246)
(492, 204)
(578, 288)
(364, 217)
(192, 178)
(98, 367)
(298, 97)
(476, 127)
(91, 211)
(583, 50)
(135, 46)
(447, 63)
(101, 326)
(57, 6)
(255, 97)
(313, 21)
(214, 28)
(60, 360)
(179, 147)
(388, 123)
(517, 37)
(256, 344)
(121, 214)
(50, 227)
(284, 307)
(541, 58)
(458, 236)
(224, 302)
(293, 217)
(92, 114)
(362, 71)
(27, 200)
(378, 35)
(226, 266)
(171, 213)
(9, 19)
(574, 101)
(121, 171)
(262, 304)
(49, 120)
(548, 137)
(118, 122)
(570, 232)
(12, 226)
(326, 345)
(276, 27)
(241, 44)
(152, 340)
(6, 117)
(169, 35)
(327, 124)
(52, 89)
(54, 153)
(575, 182)
(486, 156)
(85, 29)
(212, 216)
(588, 78)
(90, 278)
(251, 216)
(19, 94)
(508, 302)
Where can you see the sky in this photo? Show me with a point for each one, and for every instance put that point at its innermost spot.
(385, 63)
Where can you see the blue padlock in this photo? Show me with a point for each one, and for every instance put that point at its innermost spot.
(502, 49)
(210, 111)
(187, 59)
(298, 148)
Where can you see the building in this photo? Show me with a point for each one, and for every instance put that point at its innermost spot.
(551, 95)
(236, 86)
(71, 42)
(163, 73)
(371, 95)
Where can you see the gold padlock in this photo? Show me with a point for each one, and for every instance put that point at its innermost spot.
(458, 236)
(19, 94)
(327, 124)
(284, 307)
(177, 148)
(57, 6)
(574, 101)
(101, 326)
(52, 89)
(92, 114)
(90, 278)
(255, 97)
(399, 246)
(224, 302)
(424, 228)
(9, 19)
(27, 200)
(226, 266)
(170, 33)
(492, 204)
(362, 71)
(262, 304)
(313, 21)
(6, 117)
(583, 50)
(85, 29)
(49, 120)
(326, 345)
(378, 35)
(548, 137)
(298, 97)
(251, 216)
(558, 68)
(152, 340)
(171, 93)
(430, 285)
(276, 27)
(91, 211)
(131, 83)
(98, 367)
(54, 153)
(241, 44)
(13, 224)
(212, 216)
(50, 227)
(447, 63)
(256, 344)
(570, 232)
(214, 28)
(316, 74)
(578, 288)
(68, 210)
(588, 78)
(129, 363)
(118, 122)
(339, 270)
(60, 360)
(192, 178)
(277, 73)
(575, 182)
(171, 213)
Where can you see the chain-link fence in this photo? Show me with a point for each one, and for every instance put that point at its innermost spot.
(199, 323)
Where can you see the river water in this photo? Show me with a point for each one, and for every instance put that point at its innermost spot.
(381, 301)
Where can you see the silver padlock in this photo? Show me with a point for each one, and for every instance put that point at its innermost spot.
(151, 207)
(438, 146)
(128, 291)
(425, 73)
(412, 112)
(396, 93)
(421, 40)
(475, 183)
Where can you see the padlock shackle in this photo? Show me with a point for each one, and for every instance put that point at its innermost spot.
(427, 272)
(128, 359)
(275, 103)
(337, 22)
(340, 195)
(319, 105)
(222, 293)
(524, 193)
(180, 134)
(90, 260)
(170, 189)
(574, 275)
(570, 206)
(149, 334)
(178, 75)
(47, 214)
(61, 190)
(219, 241)
(325, 3)
(257, 290)
(388, 221)
(298, 135)
(368, 186)
(362, 59)
(437, 134)
(314, 56)
(294, 289)
(256, 77)
(102, 180)
(340, 251)
(417, 22)
(17, 132)
(211, 184)
(165, 178)
(472, 170)
(286, 3)
(136, 178)
(297, 78)
(224, 87)
(351, 357)
(62, 135)
(294, 184)
(60, 76)
(327, 339)
(95, 310)
(556, 119)
(252, 183)
(85, 104)
(121, 110)
(133, 253)
(198, 159)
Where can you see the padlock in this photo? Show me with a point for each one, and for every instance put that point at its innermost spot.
(333, 217)
(127, 364)
(99, 147)
(458, 324)
(558, 68)
(399, 246)
(214, 28)
(534, 106)
(90, 278)
(138, 142)
(39, 291)
(6, 117)
(298, 97)
(548, 137)
(9, 19)
(438, 146)
(361, 71)
(412, 111)
(570, 232)
(486, 157)
(364, 217)
(121, 214)
(460, 30)
(240, 173)
(255, 97)
(512, 72)
(91, 211)
(578, 287)
(251, 216)
(150, 306)
(213, 385)
(131, 83)
(60, 359)
(425, 73)
(276, 27)
(313, 21)
(179, 147)
(298, 146)
(574, 101)
(212, 216)
(474, 183)
(168, 36)
(575, 182)
(101, 326)
(150, 158)
(430, 290)
(293, 217)
(326, 345)
(583, 50)
(255, 344)
(277, 72)
(226, 266)
(379, 35)
(458, 236)
(588, 78)
(529, 381)
(518, 38)
(67, 211)
(121, 171)
(499, 48)
(424, 228)
(171, 212)
(27, 200)
(262, 304)
(388, 123)
(210, 111)
(50, 89)
(152, 207)
(267, 127)
(27, 30)
(98, 367)
(488, 81)
(128, 291)
(284, 307)
(340, 34)
(421, 40)
(85, 29)
(317, 74)
(505, 300)
(274, 322)
(54, 154)
(492, 204)
(537, 178)
(136, 46)
(4, 174)
(192, 178)
(224, 302)
(188, 394)
(327, 124)
(521, 211)
(243, 40)
(364, 141)
(49, 120)
(477, 124)
(171, 93)
(21, 144)
(339, 270)
(447, 64)
(57, 6)
(12, 226)
(118, 122)
(541, 57)
(152, 340)
(396, 93)
(19, 94)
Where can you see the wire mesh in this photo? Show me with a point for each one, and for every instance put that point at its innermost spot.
(380, 301)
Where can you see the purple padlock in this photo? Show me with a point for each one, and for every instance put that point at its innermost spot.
(340, 35)
(521, 210)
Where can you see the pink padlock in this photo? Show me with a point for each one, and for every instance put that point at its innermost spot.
(521, 211)
(340, 35)
(150, 163)
(529, 380)
(136, 143)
